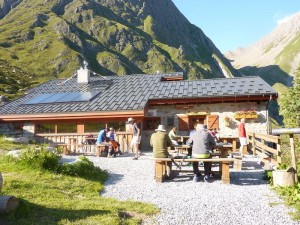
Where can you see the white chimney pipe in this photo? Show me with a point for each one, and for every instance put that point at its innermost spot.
(83, 76)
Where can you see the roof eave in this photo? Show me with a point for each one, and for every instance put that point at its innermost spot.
(72, 116)
(213, 99)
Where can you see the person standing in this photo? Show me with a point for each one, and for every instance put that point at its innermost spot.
(160, 142)
(202, 142)
(242, 135)
(136, 139)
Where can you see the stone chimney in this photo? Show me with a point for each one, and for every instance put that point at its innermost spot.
(83, 74)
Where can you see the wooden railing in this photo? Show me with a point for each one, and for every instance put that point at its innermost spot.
(265, 146)
(73, 140)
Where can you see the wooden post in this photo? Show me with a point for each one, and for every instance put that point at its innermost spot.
(8, 204)
(278, 159)
(264, 144)
(294, 162)
(234, 145)
(253, 144)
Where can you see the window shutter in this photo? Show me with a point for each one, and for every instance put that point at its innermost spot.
(183, 122)
(212, 121)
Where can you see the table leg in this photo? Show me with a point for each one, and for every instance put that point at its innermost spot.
(223, 155)
(225, 173)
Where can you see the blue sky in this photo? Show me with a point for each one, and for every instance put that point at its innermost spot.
(236, 23)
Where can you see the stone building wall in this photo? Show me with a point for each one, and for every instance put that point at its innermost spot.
(167, 112)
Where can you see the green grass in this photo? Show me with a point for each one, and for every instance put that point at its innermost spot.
(49, 197)
(6, 146)
(291, 196)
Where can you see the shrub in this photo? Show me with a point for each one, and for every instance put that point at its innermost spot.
(39, 158)
(84, 169)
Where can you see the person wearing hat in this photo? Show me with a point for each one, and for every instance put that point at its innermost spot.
(136, 139)
(160, 141)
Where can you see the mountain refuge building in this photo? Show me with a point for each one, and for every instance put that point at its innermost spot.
(86, 104)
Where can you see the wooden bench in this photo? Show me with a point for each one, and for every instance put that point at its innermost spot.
(66, 151)
(160, 167)
(99, 148)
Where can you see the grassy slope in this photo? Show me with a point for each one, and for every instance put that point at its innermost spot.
(50, 198)
(49, 44)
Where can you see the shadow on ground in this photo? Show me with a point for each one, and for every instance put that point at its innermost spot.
(30, 213)
(251, 174)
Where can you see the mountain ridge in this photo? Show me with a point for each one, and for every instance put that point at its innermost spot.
(281, 48)
(113, 36)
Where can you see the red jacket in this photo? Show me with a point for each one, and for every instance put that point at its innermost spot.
(242, 130)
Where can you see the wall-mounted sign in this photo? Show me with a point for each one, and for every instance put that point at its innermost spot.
(197, 113)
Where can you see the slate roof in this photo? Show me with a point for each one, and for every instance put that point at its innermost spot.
(132, 92)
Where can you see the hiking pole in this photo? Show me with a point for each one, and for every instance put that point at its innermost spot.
(175, 163)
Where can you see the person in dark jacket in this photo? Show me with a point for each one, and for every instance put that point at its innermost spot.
(202, 142)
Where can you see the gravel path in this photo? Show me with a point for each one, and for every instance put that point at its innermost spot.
(247, 200)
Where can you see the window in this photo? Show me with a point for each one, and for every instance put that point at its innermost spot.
(118, 126)
(66, 128)
(151, 123)
(170, 121)
(45, 128)
(93, 127)
(196, 119)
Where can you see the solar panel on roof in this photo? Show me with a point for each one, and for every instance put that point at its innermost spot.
(69, 97)
(84, 96)
(39, 98)
(63, 97)
(52, 98)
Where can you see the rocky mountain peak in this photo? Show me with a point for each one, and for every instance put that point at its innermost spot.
(276, 53)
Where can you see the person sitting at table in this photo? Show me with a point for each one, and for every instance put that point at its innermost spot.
(213, 133)
(173, 136)
(113, 142)
(202, 142)
(187, 141)
(102, 140)
(160, 142)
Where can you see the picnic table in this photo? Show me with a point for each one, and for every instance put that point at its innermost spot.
(220, 155)
(182, 148)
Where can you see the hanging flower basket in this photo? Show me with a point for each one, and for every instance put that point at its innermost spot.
(246, 114)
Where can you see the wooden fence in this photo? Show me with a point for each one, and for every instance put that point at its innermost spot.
(73, 141)
(267, 147)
